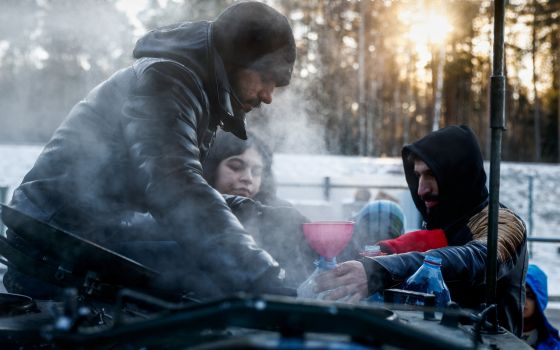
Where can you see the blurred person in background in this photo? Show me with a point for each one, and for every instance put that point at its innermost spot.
(376, 221)
(241, 170)
(362, 196)
(537, 331)
(446, 178)
(135, 145)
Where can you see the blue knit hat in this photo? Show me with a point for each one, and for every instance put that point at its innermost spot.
(379, 220)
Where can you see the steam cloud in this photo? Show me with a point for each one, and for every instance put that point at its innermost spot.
(288, 125)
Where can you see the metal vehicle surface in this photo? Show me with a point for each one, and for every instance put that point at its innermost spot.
(242, 322)
(101, 311)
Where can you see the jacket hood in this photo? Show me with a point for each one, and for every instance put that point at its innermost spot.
(454, 157)
(251, 34)
(536, 280)
(191, 44)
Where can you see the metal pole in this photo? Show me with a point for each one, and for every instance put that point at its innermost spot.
(3, 198)
(327, 188)
(497, 125)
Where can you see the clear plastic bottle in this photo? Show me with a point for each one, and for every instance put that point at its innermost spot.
(373, 251)
(428, 279)
(306, 289)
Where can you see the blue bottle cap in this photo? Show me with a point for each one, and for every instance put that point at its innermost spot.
(325, 264)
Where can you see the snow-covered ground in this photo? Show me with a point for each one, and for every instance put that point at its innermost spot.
(16, 160)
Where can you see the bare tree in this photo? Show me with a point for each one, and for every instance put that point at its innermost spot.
(536, 107)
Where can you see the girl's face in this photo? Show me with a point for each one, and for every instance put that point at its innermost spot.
(530, 304)
(240, 175)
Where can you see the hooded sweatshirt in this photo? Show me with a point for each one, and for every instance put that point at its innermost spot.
(454, 157)
(135, 144)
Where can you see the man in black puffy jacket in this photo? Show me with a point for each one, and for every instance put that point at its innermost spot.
(135, 144)
(446, 177)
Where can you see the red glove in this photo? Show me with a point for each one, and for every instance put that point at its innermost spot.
(415, 241)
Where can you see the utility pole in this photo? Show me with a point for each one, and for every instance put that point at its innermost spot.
(497, 124)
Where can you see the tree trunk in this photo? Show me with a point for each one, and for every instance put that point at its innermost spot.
(536, 111)
(372, 114)
(395, 122)
(439, 88)
(558, 86)
(408, 114)
(362, 113)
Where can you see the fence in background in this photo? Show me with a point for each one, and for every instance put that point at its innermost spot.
(327, 185)
(335, 198)
(3, 199)
(530, 221)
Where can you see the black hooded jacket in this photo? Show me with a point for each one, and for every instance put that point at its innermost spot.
(135, 144)
(454, 157)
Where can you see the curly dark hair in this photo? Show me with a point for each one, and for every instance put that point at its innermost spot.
(227, 145)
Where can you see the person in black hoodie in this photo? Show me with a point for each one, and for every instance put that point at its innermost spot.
(445, 175)
(135, 145)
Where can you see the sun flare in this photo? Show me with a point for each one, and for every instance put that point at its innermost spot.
(425, 29)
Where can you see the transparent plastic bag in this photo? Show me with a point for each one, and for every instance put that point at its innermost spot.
(306, 289)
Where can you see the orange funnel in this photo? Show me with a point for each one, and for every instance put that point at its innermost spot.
(328, 238)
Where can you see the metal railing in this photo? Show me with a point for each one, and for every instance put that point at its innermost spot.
(327, 185)
(543, 239)
(3, 198)
(530, 221)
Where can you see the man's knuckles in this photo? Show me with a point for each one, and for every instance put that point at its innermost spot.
(337, 293)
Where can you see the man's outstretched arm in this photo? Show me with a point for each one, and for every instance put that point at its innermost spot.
(161, 119)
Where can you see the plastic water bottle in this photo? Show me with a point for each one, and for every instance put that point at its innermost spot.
(428, 279)
(305, 290)
(373, 251)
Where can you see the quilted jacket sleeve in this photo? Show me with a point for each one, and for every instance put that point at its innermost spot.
(461, 265)
(161, 117)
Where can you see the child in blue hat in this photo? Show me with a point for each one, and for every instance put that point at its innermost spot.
(537, 331)
(378, 220)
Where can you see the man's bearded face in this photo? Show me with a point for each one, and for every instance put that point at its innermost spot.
(428, 189)
(252, 88)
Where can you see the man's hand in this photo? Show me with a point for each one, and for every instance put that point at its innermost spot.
(348, 282)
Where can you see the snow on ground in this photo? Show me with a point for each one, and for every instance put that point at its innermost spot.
(16, 160)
